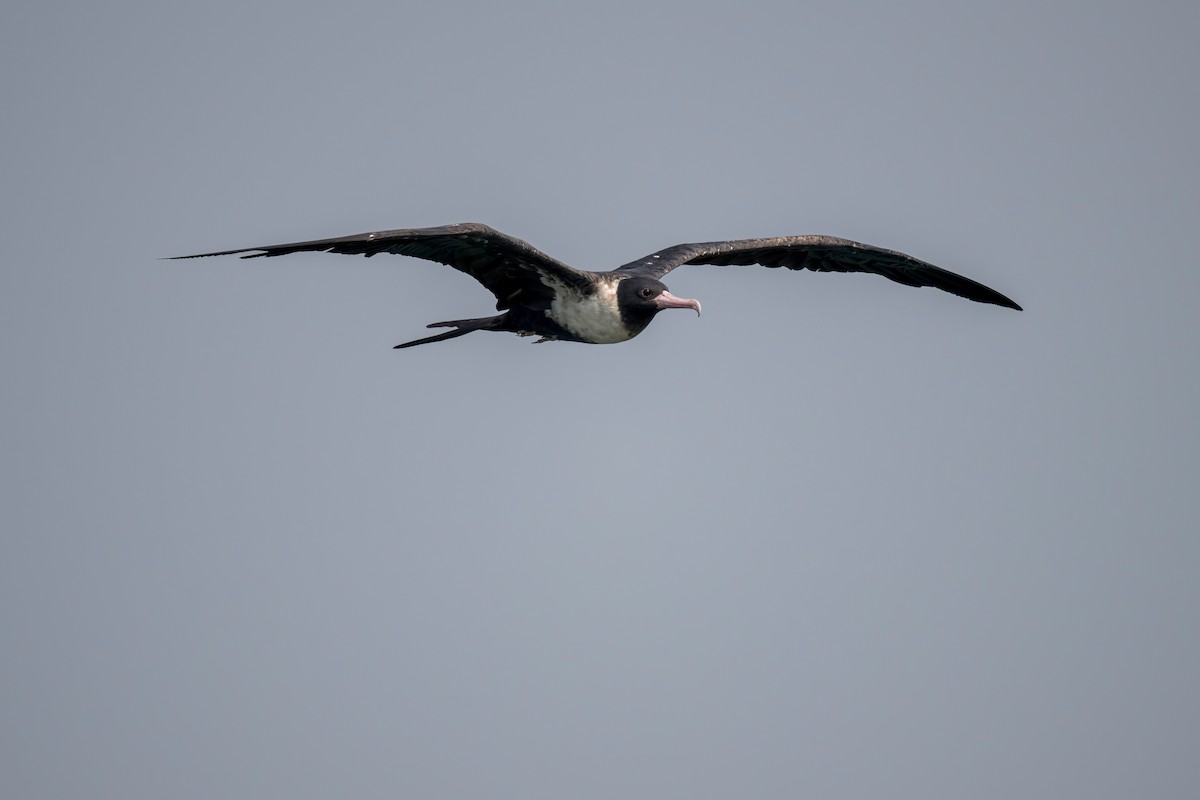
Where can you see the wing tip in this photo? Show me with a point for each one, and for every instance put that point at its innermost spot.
(249, 253)
(997, 299)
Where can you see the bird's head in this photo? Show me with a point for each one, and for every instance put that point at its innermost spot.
(640, 298)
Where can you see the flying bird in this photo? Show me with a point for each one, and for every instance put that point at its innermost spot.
(541, 296)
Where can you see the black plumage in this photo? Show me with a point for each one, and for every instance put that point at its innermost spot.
(542, 296)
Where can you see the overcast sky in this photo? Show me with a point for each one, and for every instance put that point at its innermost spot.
(838, 538)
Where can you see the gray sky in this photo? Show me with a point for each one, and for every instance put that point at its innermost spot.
(838, 538)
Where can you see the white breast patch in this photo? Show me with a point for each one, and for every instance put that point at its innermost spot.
(592, 317)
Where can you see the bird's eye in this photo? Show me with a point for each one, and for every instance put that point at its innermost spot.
(645, 292)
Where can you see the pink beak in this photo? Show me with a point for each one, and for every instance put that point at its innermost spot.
(668, 300)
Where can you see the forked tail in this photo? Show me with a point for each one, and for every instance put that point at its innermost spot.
(461, 328)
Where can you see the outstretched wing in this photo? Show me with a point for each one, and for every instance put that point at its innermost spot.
(513, 270)
(820, 254)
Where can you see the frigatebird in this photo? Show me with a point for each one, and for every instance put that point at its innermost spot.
(541, 296)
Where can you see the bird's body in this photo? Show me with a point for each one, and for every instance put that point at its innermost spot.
(544, 297)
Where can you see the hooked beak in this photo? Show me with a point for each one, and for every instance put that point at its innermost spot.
(668, 300)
